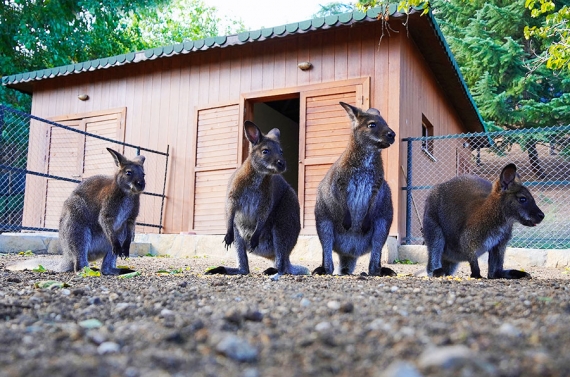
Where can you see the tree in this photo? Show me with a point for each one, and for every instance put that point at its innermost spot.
(498, 63)
(333, 8)
(38, 34)
(555, 29)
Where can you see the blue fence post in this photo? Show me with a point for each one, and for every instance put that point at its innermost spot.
(407, 240)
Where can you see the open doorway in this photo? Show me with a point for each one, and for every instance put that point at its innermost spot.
(284, 115)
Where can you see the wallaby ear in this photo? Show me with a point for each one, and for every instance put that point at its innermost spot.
(352, 111)
(119, 158)
(252, 132)
(139, 160)
(508, 176)
(373, 111)
(274, 133)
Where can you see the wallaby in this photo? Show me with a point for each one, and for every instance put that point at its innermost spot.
(354, 204)
(98, 220)
(468, 216)
(262, 209)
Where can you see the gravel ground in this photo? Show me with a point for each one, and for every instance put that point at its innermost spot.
(184, 323)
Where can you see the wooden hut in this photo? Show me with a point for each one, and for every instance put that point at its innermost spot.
(195, 96)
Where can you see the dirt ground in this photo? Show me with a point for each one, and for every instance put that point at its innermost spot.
(173, 320)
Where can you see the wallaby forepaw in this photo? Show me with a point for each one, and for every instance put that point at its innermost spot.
(216, 270)
(366, 224)
(347, 221)
(270, 271)
(345, 271)
(319, 271)
(476, 276)
(228, 240)
(254, 242)
(385, 271)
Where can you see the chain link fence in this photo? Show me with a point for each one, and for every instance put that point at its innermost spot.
(542, 157)
(42, 161)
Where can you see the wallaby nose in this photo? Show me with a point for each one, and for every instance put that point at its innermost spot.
(540, 215)
(390, 136)
(280, 164)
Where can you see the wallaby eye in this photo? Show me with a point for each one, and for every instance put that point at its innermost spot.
(128, 172)
(371, 125)
(522, 200)
(265, 151)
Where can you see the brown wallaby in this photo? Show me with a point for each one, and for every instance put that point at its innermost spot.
(468, 216)
(262, 209)
(354, 203)
(98, 220)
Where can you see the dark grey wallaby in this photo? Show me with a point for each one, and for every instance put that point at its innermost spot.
(468, 216)
(354, 203)
(98, 220)
(262, 209)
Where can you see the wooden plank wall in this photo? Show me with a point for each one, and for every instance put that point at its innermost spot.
(163, 96)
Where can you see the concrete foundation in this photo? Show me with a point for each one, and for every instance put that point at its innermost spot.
(308, 248)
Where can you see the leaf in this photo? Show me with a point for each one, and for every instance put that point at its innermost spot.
(129, 275)
(87, 272)
(170, 272)
(26, 253)
(39, 269)
(50, 284)
(90, 323)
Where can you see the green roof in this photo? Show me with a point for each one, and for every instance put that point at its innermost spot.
(425, 32)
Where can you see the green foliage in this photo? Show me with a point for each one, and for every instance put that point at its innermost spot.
(488, 40)
(333, 8)
(404, 261)
(26, 253)
(88, 272)
(45, 34)
(130, 275)
(554, 31)
(172, 271)
(39, 269)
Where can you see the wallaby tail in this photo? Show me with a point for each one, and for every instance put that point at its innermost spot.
(56, 264)
(299, 270)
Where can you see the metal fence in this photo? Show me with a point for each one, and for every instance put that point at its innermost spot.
(542, 157)
(42, 161)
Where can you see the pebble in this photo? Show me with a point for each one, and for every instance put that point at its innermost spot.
(108, 347)
(401, 369)
(305, 302)
(393, 288)
(445, 357)
(237, 349)
(65, 292)
(335, 305)
(323, 326)
(509, 330)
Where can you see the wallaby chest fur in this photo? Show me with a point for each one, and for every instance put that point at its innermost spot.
(98, 219)
(262, 209)
(468, 216)
(353, 210)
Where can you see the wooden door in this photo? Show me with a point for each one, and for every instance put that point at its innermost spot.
(77, 156)
(324, 132)
(216, 156)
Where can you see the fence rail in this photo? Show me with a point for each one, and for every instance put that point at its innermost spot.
(41, 162)
(542, 157)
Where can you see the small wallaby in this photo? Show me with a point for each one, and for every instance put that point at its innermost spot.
(98, 220)
(468, 216)
(354, 203)
(262, 209)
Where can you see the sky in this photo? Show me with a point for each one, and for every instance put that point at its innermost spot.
(257, 14)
